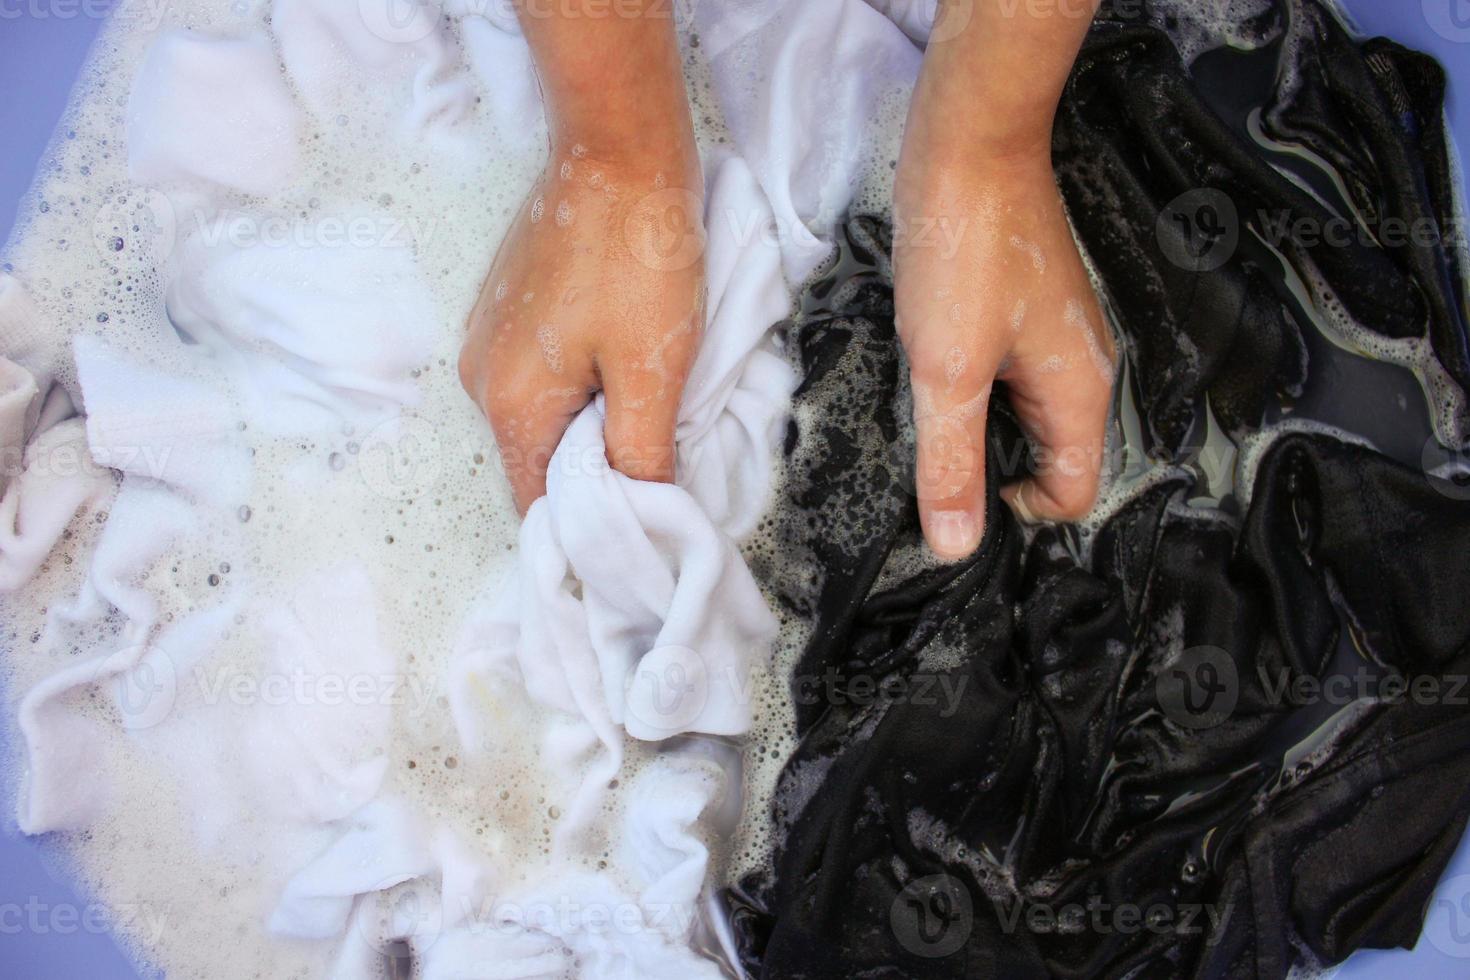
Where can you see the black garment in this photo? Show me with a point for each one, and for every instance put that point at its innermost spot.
(1067, 774)
(1051, 760)
(1163, 182)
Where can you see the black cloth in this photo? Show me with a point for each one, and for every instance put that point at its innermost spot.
(1106, 757)
(1163, 181)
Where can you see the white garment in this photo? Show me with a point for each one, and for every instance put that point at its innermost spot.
(326, 756)
(465, 918)
(67, 777)
(187, 121)
(632, 609)
(799, 83)
(330, 47)
(46, 474)
(313, 334)
(160, 426)
(630, 612)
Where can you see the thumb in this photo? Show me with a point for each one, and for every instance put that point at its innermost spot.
(641, 414)
(949, 479)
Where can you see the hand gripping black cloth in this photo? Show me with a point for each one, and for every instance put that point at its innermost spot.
(1007, 764)
(1181, 747)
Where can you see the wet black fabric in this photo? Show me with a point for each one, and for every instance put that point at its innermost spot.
(1178, 746)
(1066, 775)
(1164, 183)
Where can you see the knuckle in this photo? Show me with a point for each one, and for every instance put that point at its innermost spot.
(1074, 498)
(469, 373)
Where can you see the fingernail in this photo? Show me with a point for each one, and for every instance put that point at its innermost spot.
(955, 534)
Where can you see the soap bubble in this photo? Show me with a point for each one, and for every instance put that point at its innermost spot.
(143, 220)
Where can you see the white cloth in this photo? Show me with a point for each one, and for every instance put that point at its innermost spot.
(313, 334)
(67, 776)
(632, 608)
(47, 476)
(158, 425)
(798, 83)
(44, 483)
(188, 119)
(327, 755)
(464, 918)
(629, 613)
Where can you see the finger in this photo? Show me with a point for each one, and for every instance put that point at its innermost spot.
(1063, 402)
(642, 412)
(951, 404)
(529, 412)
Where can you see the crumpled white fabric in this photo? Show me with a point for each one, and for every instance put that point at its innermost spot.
(66, 778)
(44, 482)
(325, 755)
(631, 613)
(407, 48)
(329, 47)
(394, 875)
(187, 122)
(798, 83)
(46, 474)
(632, 608)
(311, 334)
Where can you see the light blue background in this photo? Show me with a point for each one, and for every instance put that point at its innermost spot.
(42, 45)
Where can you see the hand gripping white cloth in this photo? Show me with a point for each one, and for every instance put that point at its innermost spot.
(630, 612)
(632, 608)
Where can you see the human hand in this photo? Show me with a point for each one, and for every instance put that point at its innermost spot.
(1009, 299)
(598, 285)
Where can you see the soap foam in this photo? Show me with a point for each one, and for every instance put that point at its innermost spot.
(419, 501)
